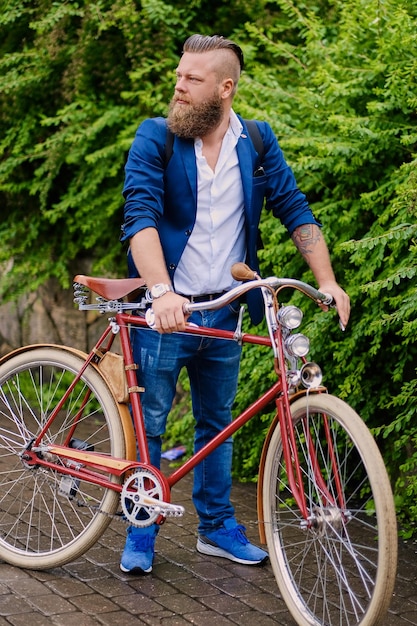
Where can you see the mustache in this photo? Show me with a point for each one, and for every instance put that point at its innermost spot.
(182, 98)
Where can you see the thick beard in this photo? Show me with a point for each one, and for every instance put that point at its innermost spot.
(195, 120)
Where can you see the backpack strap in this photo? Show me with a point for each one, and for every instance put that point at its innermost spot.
(256, 137)
(253, 131)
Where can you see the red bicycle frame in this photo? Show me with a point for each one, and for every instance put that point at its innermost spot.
(278, 393)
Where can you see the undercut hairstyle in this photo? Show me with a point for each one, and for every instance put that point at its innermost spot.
(207, 43)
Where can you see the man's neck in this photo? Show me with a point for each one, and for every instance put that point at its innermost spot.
(215, 137)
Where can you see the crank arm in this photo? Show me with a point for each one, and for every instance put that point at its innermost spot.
(167, 509)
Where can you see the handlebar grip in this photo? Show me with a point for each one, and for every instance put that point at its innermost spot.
(328, 300)
(150, 318)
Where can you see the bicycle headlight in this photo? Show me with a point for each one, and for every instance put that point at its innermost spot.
(290, 316)
(297, 345)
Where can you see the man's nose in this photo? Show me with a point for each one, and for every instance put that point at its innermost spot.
(180, 85)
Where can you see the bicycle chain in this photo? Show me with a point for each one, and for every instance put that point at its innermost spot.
(92, 507)
(118, 516)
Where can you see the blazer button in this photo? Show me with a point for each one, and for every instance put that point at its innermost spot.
(188, 232)
(172, 266)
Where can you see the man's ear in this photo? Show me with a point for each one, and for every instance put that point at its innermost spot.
(227, 88)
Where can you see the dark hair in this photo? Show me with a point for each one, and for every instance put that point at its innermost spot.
(205, 43)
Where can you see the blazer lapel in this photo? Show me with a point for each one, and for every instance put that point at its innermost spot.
(243, 148)
(188, 157)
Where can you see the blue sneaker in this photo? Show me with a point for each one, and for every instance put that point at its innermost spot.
(137, 557)
(230, 542)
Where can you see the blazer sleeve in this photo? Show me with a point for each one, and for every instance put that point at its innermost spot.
(143, 188)
(283, 197)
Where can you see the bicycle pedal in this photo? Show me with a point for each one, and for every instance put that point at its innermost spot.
(167, 509)
(68, 486)
(174, 510)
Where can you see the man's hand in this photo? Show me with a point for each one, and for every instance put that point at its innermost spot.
(169, 313)
(341, 299)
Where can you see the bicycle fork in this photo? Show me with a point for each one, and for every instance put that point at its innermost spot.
(328, 501)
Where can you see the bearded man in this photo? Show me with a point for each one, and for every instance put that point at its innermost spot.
(187, 221)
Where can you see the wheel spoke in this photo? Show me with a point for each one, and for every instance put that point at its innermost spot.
(336, 568)
(47, 519)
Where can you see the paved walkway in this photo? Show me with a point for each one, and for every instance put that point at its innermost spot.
(184, 587)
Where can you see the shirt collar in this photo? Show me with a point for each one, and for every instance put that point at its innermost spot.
(235, 124)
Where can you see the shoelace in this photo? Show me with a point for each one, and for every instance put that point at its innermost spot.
(142, 542)
(236, 534)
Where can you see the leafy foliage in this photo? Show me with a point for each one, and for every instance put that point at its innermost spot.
(337, 81)
(347, 123)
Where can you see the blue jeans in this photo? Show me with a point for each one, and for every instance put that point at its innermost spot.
(213, 368)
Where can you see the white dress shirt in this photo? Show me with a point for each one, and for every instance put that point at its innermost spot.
(218, 237)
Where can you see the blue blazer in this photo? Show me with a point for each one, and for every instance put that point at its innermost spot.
(164, 196)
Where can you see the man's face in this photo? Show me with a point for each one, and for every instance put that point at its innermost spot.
(197, 106)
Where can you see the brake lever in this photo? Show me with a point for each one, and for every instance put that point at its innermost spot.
(331, 303)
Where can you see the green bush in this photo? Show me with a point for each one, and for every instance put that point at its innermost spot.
(337, 81)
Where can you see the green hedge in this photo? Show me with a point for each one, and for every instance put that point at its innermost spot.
(337, 81)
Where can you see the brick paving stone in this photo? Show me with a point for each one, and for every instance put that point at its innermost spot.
(410, 616)
(28, 587)
(195, 587)
(210, 570)
(33, 619)
(170, 572)
(253, 617)
(208, 619)
(93, 604)
(120, 619)
(398, 619)
(152, 587)
(223, 604)
(173, 620)
(68, 587)
(137, 604)
(262, 602)
(159, 618)
(8, 572)
(73, 619)
(180, 604)
(101, 555)
(236, 587)
(109, 587)
(10, 605)
(50, 574)
(84, 570)
(51, 604)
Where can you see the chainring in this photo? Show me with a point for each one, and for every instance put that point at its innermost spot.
(143, 482)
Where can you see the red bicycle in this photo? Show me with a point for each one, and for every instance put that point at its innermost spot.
(71, 426)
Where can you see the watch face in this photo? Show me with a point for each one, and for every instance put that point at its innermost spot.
(159, 290)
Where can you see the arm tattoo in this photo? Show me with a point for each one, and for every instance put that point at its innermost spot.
(305, 238)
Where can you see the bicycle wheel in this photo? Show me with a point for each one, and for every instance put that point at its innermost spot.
(340, 568)
(46, 519)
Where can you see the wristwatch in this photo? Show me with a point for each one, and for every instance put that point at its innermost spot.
(159, 290)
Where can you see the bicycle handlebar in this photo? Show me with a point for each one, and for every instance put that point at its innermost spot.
(270, 283)
(108, 303)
